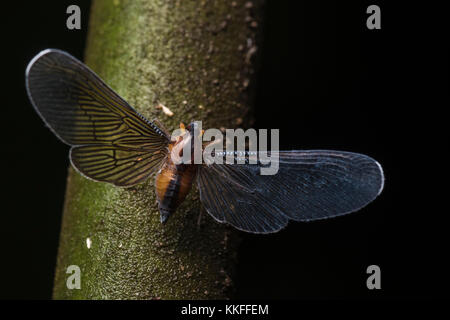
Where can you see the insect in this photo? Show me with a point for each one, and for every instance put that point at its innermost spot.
(111, 142)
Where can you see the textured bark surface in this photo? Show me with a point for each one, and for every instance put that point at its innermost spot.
(195, 57)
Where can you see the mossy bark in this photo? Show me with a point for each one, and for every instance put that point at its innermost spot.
(195, 57)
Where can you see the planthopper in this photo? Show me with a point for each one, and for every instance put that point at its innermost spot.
(111, 142)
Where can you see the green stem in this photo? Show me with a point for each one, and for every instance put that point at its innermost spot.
(195, 57)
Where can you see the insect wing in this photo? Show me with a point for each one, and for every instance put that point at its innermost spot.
(309, 185)
(110, 141)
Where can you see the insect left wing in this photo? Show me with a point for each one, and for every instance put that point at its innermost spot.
(111, 142)
(309, 185)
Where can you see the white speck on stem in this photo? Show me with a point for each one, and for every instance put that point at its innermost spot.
(88, 242)
(166, 110)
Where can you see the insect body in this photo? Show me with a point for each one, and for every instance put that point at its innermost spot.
(173, 183)
(111, 142)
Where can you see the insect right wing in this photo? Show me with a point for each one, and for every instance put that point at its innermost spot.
(309, 185)
(111, 142)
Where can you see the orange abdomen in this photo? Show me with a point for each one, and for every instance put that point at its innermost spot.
(173, 184)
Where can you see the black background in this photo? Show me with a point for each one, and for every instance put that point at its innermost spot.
(328, 83)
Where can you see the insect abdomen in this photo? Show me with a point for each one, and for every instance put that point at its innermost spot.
(173, 183)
